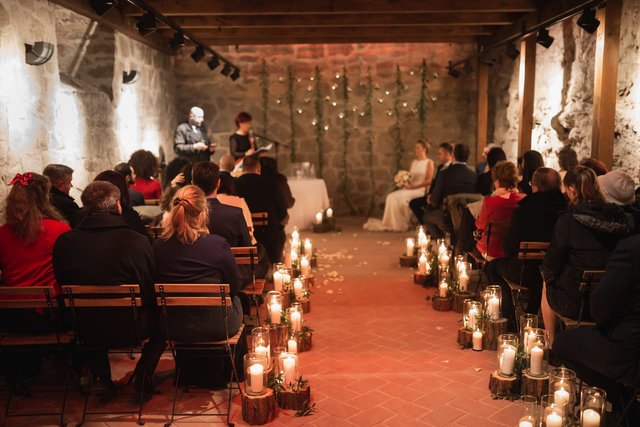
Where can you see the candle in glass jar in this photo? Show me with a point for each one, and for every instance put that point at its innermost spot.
(473, 318)
(443, 258)
(443, 288)
(257, 381)
(554, 420)
(260, 349)
(423, 242)
(295, 235)
(526, 421)
(292, 346)
(477, 340)
(442, 249)
(561, 396)
(276, 312)
(319, 218)
(493, 308)
(277, 281)
(289, 368)
(590, 418)
(308, 247)
(296, 321)
(508, 360)
(294, 256)
(530, 341)
(537, 355)
(297, 288)
(410, 246)
(422, 264)
(329, 213)
(304, 266)
(464, 281)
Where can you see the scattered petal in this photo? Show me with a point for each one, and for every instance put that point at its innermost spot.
(445, 361)
(330, 291)
(477, 369)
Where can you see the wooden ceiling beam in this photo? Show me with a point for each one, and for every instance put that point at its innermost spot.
(310, 7)
(257, 40)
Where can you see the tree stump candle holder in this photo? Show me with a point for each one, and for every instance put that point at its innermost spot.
(290, 399)
(306, 305)
(278, 335)
(313, 261)
(327, 225)
(310, 280)
(534, 386)
(442, 304)
(259, 410)
(304, 341)
(503, 386)
(409, 261)
(424, 279)
(465, 338)
(458, 300)
(493, 330)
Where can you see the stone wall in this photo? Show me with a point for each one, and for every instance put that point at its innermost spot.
(450, 116)
(75, 109)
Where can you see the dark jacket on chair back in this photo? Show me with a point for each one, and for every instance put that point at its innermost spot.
(66, 205)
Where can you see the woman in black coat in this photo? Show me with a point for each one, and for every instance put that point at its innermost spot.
(583, 239)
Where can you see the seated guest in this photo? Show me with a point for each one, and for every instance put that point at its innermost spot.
(145, 167)
(227, 196)
(582, 239)
(484, 185)
(269, 170)
(419, 205)
(532, 221)
(567, 158)
(104, 250)
(224, 220)
(60, 177)
(598, 166)
(457, 178)
(607, 355)
(172, 173)
(227, 164)
(531, 161)
(619, 188)
(261, 196)
(135, 197)
(483, 166)
(177, 182)
(498, 208)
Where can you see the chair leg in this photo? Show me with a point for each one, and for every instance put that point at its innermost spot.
(141, 398)
(234, 375)
(256, 302)
(627, 408)
(86, 399)
(6, 411)
(66, 392)
(175, 397)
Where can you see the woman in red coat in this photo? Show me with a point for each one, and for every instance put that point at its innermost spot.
(498, 209)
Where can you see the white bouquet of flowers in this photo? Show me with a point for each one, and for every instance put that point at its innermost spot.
(402, 178)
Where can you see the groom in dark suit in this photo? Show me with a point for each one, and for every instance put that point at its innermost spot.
(419, 205)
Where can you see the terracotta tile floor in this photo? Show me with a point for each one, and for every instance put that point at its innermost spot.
(381, 355)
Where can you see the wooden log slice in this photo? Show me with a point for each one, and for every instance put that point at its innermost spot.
(278, 336)
(465, 338)
(311, 280)
(409, 261)
(503, 386)
(304, 342)
(259, 410)
(423, 279)
(288, 399)
(442, 304)
(534, 386)
(494, 329)
(306, 305)
(458, 301)
(313, 262)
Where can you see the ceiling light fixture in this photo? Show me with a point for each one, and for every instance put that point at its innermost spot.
(213, 63)
(226, 70)
(147, 24)
(588, 21)
(235, 75)
(198, 54)
(177, 41)
(452, 71)
(512, 51)
(544, 38)
(101, 7)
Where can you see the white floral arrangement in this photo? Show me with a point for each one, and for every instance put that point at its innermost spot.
(402, 178)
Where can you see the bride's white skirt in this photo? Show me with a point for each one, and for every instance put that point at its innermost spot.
(397, 214)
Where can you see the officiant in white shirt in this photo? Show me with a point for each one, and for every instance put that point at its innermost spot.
(191, 140)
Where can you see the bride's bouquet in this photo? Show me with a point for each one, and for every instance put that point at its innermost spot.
(402, 178)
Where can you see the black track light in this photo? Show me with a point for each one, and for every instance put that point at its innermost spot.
(512, 51)
(452, 71)
(101, 7)
(487, 60)
(226, 70)
(147, 24)
(235, 75)
(177, 41)
(588, 21)
(213, 63)
(198, 54)
(544, 38)
(468, 67)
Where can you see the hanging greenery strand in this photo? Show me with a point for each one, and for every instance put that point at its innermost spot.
(397, 129)
(264, 83)
(368, 111)
(319, 107)
(292, 119)
(346, 133)
(422, 101)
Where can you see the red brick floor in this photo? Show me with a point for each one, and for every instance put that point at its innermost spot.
(381, 355)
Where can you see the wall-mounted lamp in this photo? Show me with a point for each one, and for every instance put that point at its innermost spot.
(130, 77)
(38, 53)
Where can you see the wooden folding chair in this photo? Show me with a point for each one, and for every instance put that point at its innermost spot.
(260, 219)
(154, 232)
(198, 295)
(248, 255)
(152, 202)
(82, 300)
(494, 229)
(36, 298)
(590, 279)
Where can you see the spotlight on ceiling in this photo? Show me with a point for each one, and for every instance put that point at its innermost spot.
(235, 75)
(468, 68)
(38, 53)
(226, 70)
(487, 60)
(101, 7)
(588, 21)
(512, 51)
(213, 63)
(198, 54)
(452, 71)
(177, 41)
(130, 77)
(147, 24)
(544, 39)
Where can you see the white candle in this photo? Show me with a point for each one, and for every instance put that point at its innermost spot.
(442, 249)
(257, 381)
(277, 281)
(296, 321)
(530, 341)
(292, 346)
(287, 259)
(422, 264)
(289, 368)
(525, 422)
(473, 318)
(294, 256)
(590, 418)
(410, 247)
(329, 213)
(297, 288)
(554, 420)
(423, 242)
(508, 360)
(464, 281)
(442, 289)
(304, 266)
(308, 247)
(286, 279)
(276, 312)
(561, 396)
(260, 349)
(319, 218)
(493, 308)
(295, 235)
(537, 355)
(477, 340)
(443, 258)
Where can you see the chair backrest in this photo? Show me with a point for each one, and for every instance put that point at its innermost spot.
(102, 296)
(154, 231)
(152, 202)
(245, 255)
(496, 229)
(590, 278)
(35, 297)
(455, 203)
(532, 251)
(260, 219)
(192, 295)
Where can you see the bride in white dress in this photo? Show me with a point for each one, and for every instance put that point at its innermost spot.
(397, 214)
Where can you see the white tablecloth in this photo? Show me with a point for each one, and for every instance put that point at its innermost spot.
(311, 197)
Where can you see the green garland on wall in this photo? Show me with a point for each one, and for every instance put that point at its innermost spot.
(422, 101)
(397, 128)
(346, 133)
(368, 111)
(292, 119)
(319, 107)
(264, 84)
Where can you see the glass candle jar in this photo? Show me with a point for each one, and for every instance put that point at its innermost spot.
(292, 344)
(305, 266)
(527, 322)
(562, 385)
(507, 352)
(298, 287)
(463, 270)
(261, 341)
(410, 245)
(537, 348)
(423, 263)
(442, 247)
(443, 288)
(284, 276)
(553, 413)
(274, 307)
(593, 402)
(529, 416)
(444, 257)
(493, 301)
(472, 315)
(308, 248)
(294, 315)
(288, 368)
(256, 366)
